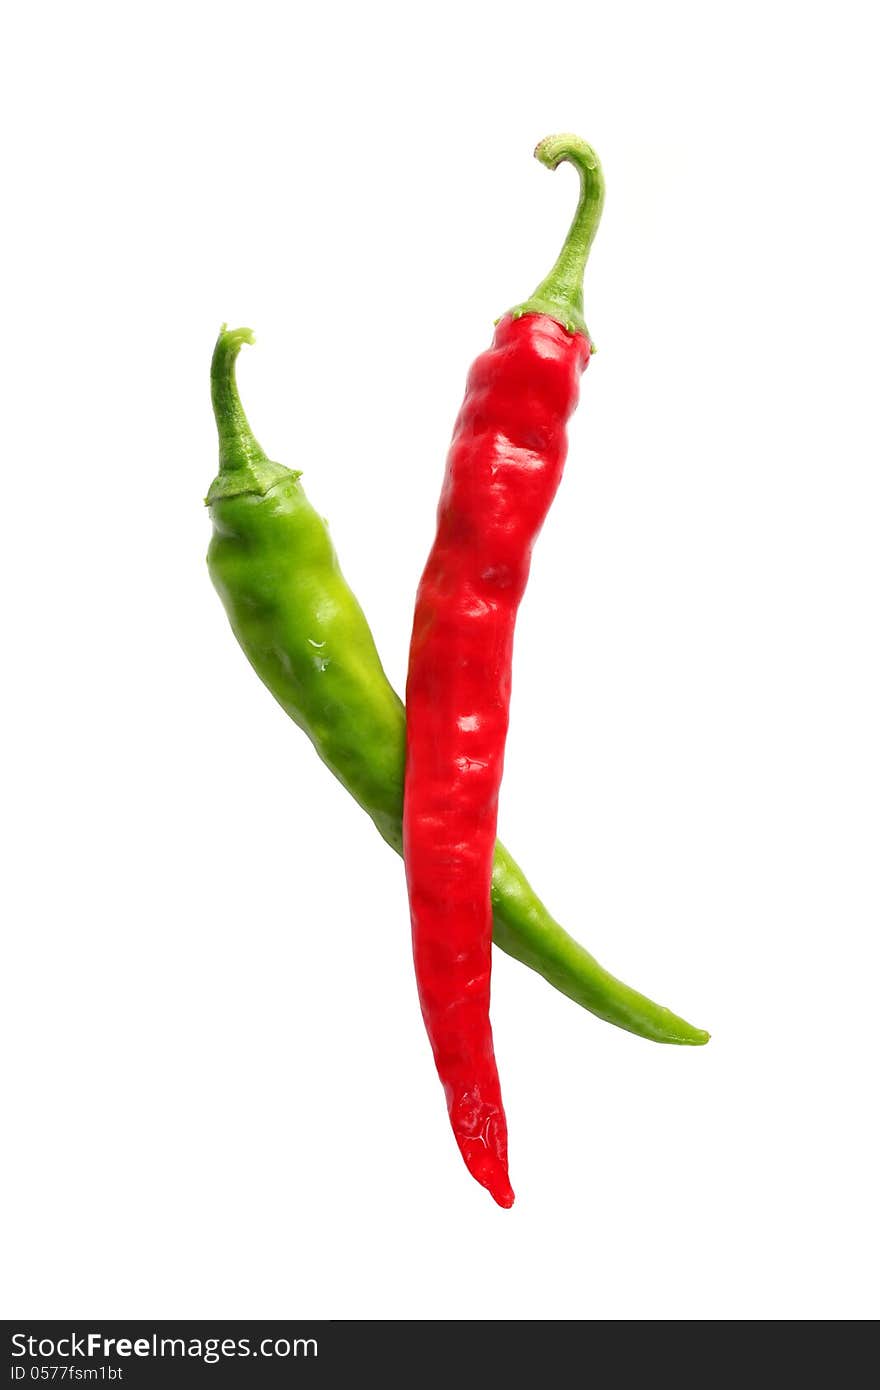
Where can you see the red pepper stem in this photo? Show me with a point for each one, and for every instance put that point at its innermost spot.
(561, 294)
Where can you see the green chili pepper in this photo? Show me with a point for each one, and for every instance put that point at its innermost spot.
(302, 629)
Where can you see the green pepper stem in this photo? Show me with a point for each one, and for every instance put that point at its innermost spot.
(561, 293)
(237, 442)
(244, 466)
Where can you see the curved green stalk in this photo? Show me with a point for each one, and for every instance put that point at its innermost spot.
(560, 294)
(244, 465)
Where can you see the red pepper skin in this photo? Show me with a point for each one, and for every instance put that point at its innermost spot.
(502, 472)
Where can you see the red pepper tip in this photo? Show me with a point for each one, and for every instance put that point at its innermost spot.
(501, 1191)
(489, 1171)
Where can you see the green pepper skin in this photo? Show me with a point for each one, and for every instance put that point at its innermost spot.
(273, 564)
(302, 629)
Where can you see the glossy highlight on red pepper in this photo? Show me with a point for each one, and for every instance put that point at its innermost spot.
(502, 472)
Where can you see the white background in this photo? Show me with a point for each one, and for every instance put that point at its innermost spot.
(220, 1097)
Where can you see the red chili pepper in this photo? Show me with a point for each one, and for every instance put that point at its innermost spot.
(502, 472)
